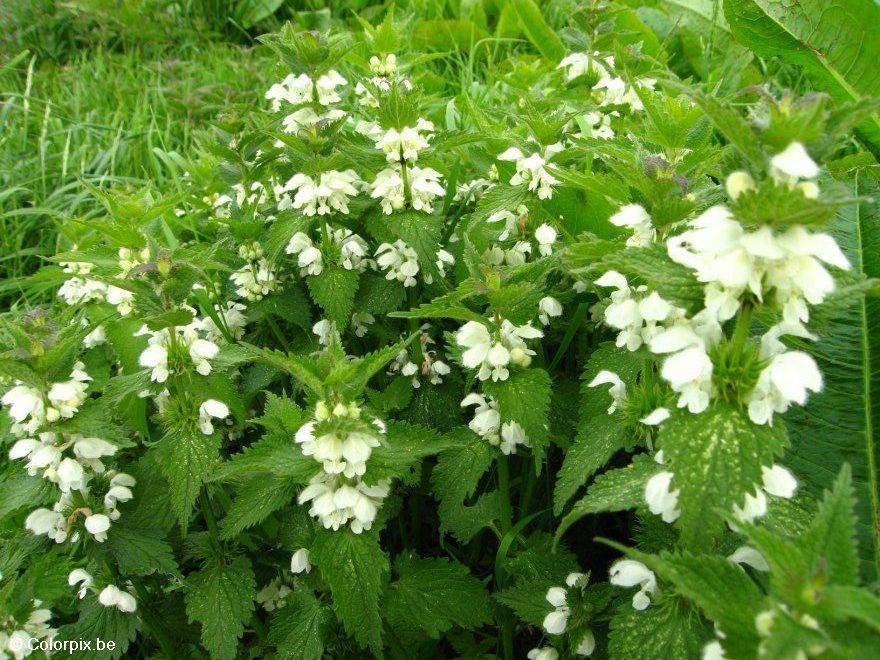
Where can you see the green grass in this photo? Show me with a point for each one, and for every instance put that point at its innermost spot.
(102, 119)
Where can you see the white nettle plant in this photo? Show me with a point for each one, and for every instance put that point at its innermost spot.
(188, 436)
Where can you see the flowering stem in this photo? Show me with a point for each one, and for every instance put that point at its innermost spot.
(741, 331)
(407, 196)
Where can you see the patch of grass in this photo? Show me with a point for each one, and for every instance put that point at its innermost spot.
(105, 118)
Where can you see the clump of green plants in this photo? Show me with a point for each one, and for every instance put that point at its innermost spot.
(531, 369)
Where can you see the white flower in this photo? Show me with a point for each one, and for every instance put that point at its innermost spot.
(745, 554)
(548, 307)
(636, 218)
(577, 64)
(299, 561)
(587, 644)
(655, 417)
(630, 573)
(70, 475)
(26, 408)
(201, 351)
(79, 290)
(543, 653)
(531, 170)
(335, 503)
(329, 194)
(510, 220)
(793, 163)
(788, 379)
(301, 89)
(81, 577)
(405, 144)
(557, 620)
(424, 188)
(387, 187)
(307, 118)
(713, 651)
(66, 397)
(546, 236)
(636, 316)
(617, 389)
(512, 434)
(310, 259)
(112, 596)
(123, 299)
(360, 321)
(324, 330)
(326, 87)
(272, 596)
(487, 420)
(738, 183)
(384, 66)
(96, 337)
(661, 500)
(492, 355)
(97, 525)
(776, 481)
(400, 262)
(211, 409)
(596, 124)
(470, 191)
(254, 280)
(47, 521)
(352, 249)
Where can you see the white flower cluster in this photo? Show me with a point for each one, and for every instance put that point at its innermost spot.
(390, 188)
(404, 145)
(169, 349)
(110, 596)
(301, 89)
(531, 170)
(610, 90)
(255, 279)
(518, 253)
(556, 621)
(431, 368)
(328, 193)
(80, 289)
(310, 259)
(385, 74)
(46, 453)
(486, 423)
(492, 351)
(16, 638)
(400, 262)
(637, 219)
(342, 443)
(274, 595)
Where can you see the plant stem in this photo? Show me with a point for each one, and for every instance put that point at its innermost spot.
(208, 512)
(506, 523)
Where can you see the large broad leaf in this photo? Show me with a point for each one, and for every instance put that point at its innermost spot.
(834, 42)
(539, 33)
(716, 458)
(839, 425)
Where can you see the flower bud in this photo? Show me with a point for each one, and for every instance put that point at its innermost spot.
(764, 622)
(322, 412)
(738, 183)
(520, 357)
(340, 410)
(809, 189)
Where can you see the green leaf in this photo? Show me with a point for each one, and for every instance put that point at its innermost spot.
(599, 434)
(834, 43)
(298, 366)
(615, 490)
(221, 597)
(525, 398)
(140, 550)
(251, 12)
(458, 472)
(652, 266)
(99, 622)
(722, 590)
(539, 33)
(841, 603)
(405, 445)
(667, 632)
(273, 455)
(20, 490)
(353, 566)
(841, 424)
(716, 458)
(830, 542)
(187, 460)
(334, 290)
(259, 497)
(434, 595)
(422, 233)
(300, 628)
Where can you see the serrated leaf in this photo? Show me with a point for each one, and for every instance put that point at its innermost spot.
(830, 542)
(599, 434)
(615, 490)
(187, 460)
(139, 550)
(716, 458)
(436, 594)
(299, 629)
(657, 633)
(353, 566)
(256, 499)
(653, 267)
(273, 455)
(525, 398)
(334, 290)
(104, 623)
(220, 597)
(458, 470)
(404, 446)
(20, 490)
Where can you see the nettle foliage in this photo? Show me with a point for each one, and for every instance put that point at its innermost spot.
(374, 378)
